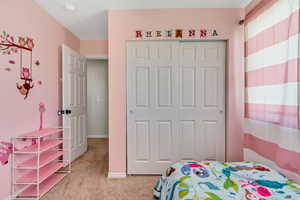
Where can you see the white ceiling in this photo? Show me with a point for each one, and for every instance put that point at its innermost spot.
(89, 20)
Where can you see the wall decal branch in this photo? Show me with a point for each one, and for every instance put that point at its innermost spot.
(9, 45)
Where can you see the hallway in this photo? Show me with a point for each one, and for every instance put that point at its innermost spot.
(88, 180)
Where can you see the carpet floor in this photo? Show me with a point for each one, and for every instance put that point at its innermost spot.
(88, 180)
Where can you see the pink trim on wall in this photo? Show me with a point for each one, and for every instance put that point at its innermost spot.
(274, 35)
(257, 7)
(122, 25)
(94, 47)
(273, 75)
(283, 158)
(276, 114)
(18, 116)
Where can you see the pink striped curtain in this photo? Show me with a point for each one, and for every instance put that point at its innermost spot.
(272, 133)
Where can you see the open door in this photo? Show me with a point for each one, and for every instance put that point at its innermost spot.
(74, 101)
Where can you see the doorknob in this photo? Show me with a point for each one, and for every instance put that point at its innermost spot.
(131, 111)
(221, 111)
(64, 112)
(60, 112)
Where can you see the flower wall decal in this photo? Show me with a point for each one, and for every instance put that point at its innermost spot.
(22, 46)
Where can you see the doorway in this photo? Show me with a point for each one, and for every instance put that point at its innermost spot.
(85, 100)
(175, 103)
(97, 98)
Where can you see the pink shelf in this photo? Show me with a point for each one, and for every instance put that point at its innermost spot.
(42, 133)
(45, 145)
(44, 186)
(38, 165)
(45, 158)
(45, 172)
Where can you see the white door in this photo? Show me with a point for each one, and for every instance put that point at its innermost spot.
(74, 99)
(201, 117)
(175, 103)
(152, 106)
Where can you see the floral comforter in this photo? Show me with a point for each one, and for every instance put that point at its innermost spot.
(224, 181)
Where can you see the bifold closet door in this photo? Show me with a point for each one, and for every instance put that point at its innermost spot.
(175, 103)
(152, 106)
(201, 116)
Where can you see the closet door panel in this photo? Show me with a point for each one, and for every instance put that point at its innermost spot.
(152, 97)
(175, 103)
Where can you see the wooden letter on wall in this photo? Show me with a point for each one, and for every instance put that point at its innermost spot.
(138, 34)
(149, 34)
(203, 33)
(158, 34)
(178, 33)
(169, 33)
(192, 33)
(215, 33)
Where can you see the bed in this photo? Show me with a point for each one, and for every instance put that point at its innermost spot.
(211, 180)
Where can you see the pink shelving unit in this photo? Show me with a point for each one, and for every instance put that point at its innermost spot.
(40, 160)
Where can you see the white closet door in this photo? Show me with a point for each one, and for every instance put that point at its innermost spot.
(175, 104)
(152, 106)
(201, 117)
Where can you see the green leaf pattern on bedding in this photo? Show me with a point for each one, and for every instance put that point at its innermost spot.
(209, 180)
(213, 196)
(231, 184)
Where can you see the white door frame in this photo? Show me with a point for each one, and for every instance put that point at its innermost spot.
(225, 91)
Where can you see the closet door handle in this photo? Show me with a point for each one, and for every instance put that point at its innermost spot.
(131, 112)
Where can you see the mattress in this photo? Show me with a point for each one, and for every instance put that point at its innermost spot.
(211, 180)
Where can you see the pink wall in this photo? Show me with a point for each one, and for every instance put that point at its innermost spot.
(122, 25)
(19, 115)
(94, 47)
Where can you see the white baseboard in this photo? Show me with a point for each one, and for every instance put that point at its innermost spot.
(8, 198)
(114, 175)
(97, 136)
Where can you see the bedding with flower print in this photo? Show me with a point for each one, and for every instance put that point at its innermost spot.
(211, 180)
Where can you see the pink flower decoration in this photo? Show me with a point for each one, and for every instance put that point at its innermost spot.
(12, 62)
(40, 82)
(42, 107)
